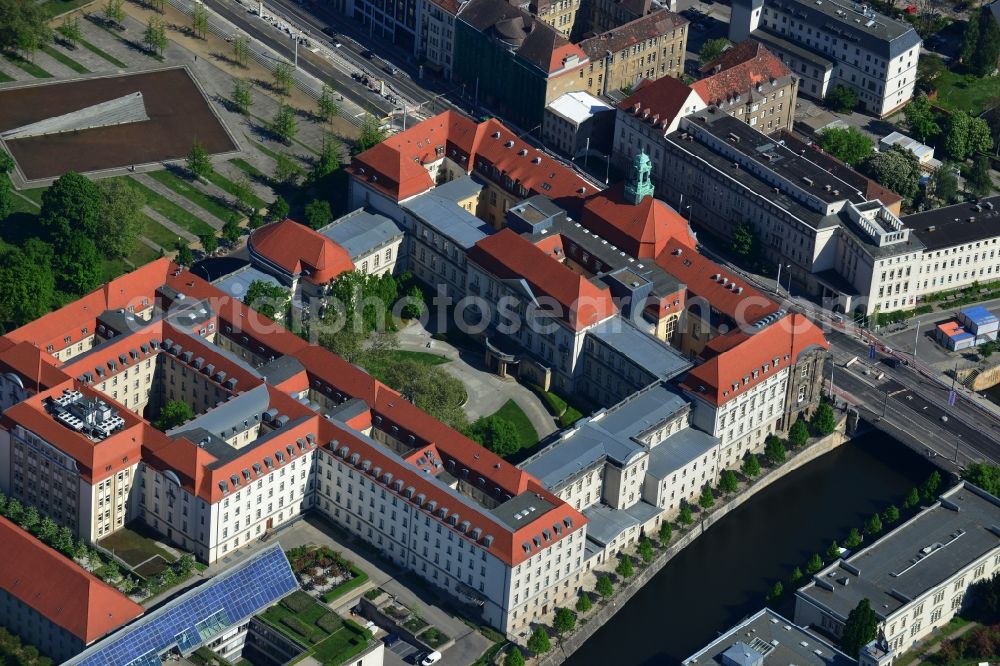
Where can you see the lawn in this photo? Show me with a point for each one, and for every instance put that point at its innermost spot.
(104, 54)
(158, 233)
(27, 66)
(170, 210)
(323, 633)
(526, 435)
(57, 7)
(227, 185)
(65, 59)
(377, 367)
(142, 254)
(274, 156)
(965, 92)
(5, 79)
(35, 194)
(133, 548)
(19, 205)
(247, 168)
(340, 646)
(186, 189)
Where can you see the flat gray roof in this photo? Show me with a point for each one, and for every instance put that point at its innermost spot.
(522, 509)
(678, 450)
(655, 357)
(950, 226)
(876, 32)
(962, 527)
(642, 411)
(361, 232)
(448, 218)
(238, 283)
(280, 369)
(771, 635)
(459, 189)
(605, 523)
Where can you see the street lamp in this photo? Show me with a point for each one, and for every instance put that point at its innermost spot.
(777, 281)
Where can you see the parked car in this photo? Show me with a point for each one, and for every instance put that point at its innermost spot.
(392, 71)
(431, 658)
(391, 639)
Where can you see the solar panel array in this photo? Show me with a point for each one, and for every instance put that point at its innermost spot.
(199, 615)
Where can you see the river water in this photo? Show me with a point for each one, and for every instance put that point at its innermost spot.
(725, 574)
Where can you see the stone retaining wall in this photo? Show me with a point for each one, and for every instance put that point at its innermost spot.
(604, 611)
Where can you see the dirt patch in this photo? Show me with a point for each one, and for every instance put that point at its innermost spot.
(151, 568)
(178, 115)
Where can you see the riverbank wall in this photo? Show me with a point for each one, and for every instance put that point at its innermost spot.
(604, 611)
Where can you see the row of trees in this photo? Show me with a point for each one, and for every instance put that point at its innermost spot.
(23, 27)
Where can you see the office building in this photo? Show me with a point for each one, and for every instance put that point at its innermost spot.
(836, 43)
(578, 124)
(916, 576)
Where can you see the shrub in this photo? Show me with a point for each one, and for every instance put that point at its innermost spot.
(359, 577)
(373, 593)
(297, 625)
(297, 602)
(329, 622)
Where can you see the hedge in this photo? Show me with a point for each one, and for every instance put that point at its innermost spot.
(357, 628)
(298, 626)
(359, 578)
(297, 601)
(329, 622)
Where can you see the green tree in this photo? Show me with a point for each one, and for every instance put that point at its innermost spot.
(751, 466)
(565, 621)
(849, 144)
(328, 160)
(666, 532)
(497, 434)
(774, 450)
(604, 586)
(184, 255)
(624, 568)
(798, 434)
(984, 476)
(986, 349)
(873, 525)
(744, 240)
(895, 169)
(538, 642)
(685, 517)
(198, 161)
(71, 204)
(47, 531)
(711, 50)
(23, 26)
(242, 96)
(231, 230)
(27, 283)
(173, 414)
(256, 221)
(980, 180)
(833, 552)
(823, 420)
(6, 190)
(981, 43)
(121, 217)
(14, 511)
(69, 30)
(970, 38)
(707, 499)
(371, 133)
(326, 103)
(199, 21)
(209, 242)
(282, 75)
(776, 592)
(853, 539)
(415, 305)
(980, 136)
(243, 194)
(514, 657)
(860, 629)
(286, 170)
(278, 210)
(155, 35)
(29, 520)
(956, 135)
(241, 50)
(266, 298)
(931, 486)
(283, 125)
(912, 500)
(646, 550)
(920, 118)
(890, 515)
(318, 213)
(728, 483)
(841, 99)
(430, 388)
(77, 263)
(814, 564)
(584, 604)
(796, 575)
(944, 184)
(114, 12)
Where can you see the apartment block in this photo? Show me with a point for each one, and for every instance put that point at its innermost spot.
(835, 43)
(916, 577)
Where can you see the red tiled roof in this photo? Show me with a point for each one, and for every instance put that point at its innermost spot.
(97, 460)
(741, 353)
(509, 256)
(35, 368)
(69, 320)
(59, 589)
(299, 250)
(642, 230)
(739, 70)
(658, 101)
(726, 293)
(396, 166)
